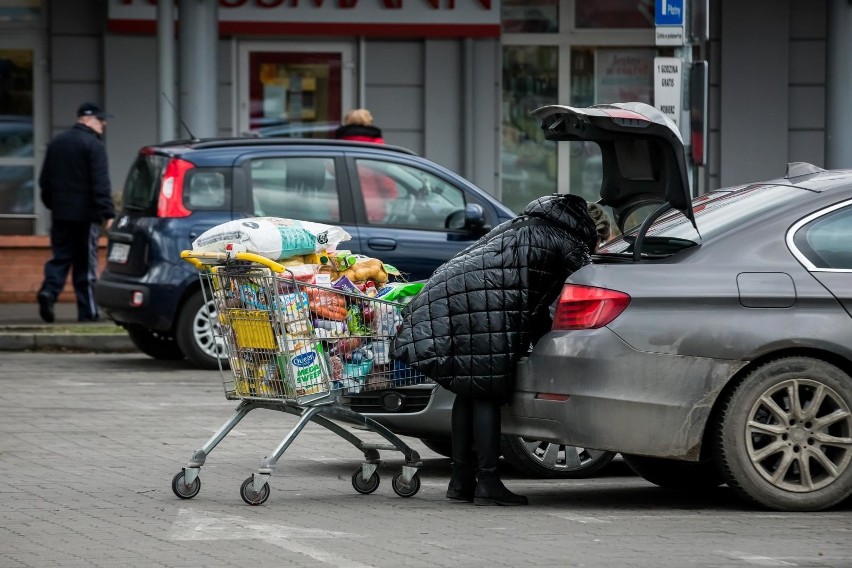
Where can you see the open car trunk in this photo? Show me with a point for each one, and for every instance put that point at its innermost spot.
(644, 162)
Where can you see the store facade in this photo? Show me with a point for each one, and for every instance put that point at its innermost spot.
(454, 80)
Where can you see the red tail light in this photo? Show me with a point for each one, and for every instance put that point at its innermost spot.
(170, 203)
(585, 307)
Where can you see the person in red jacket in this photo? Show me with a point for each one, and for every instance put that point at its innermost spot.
(378, 189)
(358, 126)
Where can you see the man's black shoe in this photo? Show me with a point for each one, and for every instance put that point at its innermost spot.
(45, 307)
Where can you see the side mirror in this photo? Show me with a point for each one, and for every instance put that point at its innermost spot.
(474, 216)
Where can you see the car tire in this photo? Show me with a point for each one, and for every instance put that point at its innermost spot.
(676, 474)
(197, 333)
(784, 436)
(553, 461)
(154, 343)
(441, 447)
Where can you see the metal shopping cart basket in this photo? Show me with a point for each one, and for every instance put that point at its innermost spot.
(298, 348)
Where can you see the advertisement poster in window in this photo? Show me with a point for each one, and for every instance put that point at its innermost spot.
(623, 75)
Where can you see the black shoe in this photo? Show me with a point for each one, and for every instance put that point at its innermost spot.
(462, 483)
(83, 319)
(491, 491)
(45, 307)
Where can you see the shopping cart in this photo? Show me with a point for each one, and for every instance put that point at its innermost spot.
(297, 347)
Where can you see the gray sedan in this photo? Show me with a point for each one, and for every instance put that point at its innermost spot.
(711, 344)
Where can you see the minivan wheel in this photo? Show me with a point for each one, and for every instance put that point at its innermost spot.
(785, 435)
(154, 343)
(553, 461)
(676, 474)
(198, 333)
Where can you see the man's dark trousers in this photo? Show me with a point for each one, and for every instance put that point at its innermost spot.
(74, 245)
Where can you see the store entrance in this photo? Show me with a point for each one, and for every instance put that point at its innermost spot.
(294, 90)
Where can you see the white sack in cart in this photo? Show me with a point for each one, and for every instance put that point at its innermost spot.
(271, 237)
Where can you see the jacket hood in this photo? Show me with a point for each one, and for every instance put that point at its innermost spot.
(570, 211)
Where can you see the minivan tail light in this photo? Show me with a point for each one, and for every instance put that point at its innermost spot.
(587, 307)
(170, 203)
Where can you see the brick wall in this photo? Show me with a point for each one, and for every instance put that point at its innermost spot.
(23, 260)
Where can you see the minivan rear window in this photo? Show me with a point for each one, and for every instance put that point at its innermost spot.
(715, 212)
(143, 181)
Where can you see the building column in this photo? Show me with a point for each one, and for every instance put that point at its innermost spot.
(199, 38)
(166, 55)
(838, 87)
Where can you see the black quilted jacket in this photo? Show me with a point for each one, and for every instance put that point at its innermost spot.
(478, 313)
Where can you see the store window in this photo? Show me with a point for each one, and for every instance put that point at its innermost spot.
(17, 164)
(294, 94)
(530, 16)
(618, 14)
(604, 75)
(20, 11)
(568, 52)
(528, 161)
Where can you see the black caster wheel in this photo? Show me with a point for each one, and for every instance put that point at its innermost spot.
(183, 490)
(365, 487)
(251, 496)
(404, 489)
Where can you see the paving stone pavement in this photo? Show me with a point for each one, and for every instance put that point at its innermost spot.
(89, 444)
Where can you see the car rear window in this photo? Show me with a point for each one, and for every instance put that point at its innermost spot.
(715, 212)
(143, 181)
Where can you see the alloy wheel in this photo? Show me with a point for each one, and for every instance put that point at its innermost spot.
(799, 435)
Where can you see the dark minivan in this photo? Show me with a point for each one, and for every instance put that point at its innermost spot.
(398, 207)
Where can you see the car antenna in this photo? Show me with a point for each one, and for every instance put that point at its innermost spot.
(192, 136)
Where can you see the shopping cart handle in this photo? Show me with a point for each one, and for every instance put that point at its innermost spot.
(196, 259)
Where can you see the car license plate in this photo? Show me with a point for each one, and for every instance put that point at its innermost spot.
(118, 253)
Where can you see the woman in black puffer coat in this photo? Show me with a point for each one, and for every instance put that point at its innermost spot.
(477, 316)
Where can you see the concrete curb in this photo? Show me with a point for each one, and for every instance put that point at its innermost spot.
(89, 342)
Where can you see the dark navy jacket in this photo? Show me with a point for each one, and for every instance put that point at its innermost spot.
(75, 178)
(478, 313)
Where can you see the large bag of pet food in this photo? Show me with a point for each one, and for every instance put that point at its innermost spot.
(271, 237)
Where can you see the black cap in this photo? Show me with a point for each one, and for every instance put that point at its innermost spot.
(91, 109)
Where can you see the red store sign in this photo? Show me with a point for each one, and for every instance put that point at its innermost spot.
(371, 18)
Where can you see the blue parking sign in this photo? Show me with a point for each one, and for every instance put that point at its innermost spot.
(668, 12)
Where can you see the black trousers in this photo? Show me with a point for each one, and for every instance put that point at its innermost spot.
(476, 433)
(74, 246)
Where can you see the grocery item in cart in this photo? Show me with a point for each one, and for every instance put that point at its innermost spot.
(271, 237)
(305, 365)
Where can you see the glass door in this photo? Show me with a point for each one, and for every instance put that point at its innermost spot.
(294, 90)
(17, 141)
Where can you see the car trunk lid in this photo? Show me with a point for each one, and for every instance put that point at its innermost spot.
(642, 150)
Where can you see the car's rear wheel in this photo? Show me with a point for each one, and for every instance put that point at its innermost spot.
(197, 332)
(785, 435)
(154, 343)
(549, 460)
(675, 474)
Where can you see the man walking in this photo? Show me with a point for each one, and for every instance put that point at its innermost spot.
(75, 187)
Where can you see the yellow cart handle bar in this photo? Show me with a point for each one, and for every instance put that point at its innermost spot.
(196, 258)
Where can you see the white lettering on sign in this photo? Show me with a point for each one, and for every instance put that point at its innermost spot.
(668, 95)
(391, 4)
(478, 18)
(669, 10)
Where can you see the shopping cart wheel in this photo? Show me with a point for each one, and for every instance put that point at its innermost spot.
(365, 487)
(183, 490)
(251, 496)
(404, 489)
